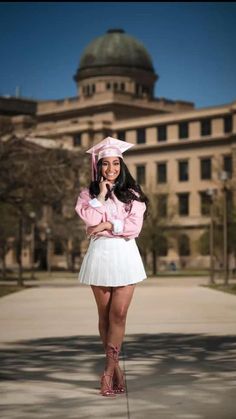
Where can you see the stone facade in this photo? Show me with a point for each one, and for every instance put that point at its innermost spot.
(179, 150)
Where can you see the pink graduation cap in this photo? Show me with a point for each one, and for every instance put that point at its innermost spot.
(109, 147)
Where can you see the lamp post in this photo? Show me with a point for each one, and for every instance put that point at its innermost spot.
(210, 193)
(224, 177)
(48, 235)
(32, 216)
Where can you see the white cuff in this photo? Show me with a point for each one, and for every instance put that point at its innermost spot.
(95, 203)
(117, 226)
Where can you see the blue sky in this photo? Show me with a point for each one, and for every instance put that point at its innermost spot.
(192, 45)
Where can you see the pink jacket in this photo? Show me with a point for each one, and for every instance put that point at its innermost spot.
(127, 220)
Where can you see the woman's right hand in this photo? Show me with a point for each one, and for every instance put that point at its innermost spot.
(93, 230)
(103, 186)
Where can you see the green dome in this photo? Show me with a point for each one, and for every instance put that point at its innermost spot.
(113, 49)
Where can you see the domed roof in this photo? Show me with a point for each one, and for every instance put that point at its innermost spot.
(115, 48)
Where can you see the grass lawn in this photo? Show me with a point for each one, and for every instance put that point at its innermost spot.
(9, 284)
(8, 289)
(181, 273)
(231, 288)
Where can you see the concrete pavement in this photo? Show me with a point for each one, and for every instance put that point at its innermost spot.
(179, 353)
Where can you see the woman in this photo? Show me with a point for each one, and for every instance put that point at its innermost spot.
(112, 209)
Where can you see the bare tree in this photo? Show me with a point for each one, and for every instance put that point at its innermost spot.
(32, 177)
(153, 238)
(204, 242)
(8, 227)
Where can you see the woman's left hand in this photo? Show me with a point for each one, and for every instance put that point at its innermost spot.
(92, 231)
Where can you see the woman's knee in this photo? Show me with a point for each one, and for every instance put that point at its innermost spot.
(118, 316)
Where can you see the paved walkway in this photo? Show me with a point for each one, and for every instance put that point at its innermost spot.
(179, 353)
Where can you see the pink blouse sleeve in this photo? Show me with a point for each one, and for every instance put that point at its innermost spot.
(90, 210)
(131, 225)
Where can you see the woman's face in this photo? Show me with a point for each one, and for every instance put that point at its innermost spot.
(111, 168)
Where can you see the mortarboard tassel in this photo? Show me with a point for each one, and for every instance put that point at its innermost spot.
(94, 167)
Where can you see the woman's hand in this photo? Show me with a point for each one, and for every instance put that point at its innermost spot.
(92, 231)
(103, 186)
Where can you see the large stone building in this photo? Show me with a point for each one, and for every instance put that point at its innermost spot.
(180, 152)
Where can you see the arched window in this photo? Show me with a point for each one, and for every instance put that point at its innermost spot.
(137, 89)
(163, 246)
(122, 87)
(77, 139)
(86, 88)
(58, 248)
(184, 245)
(203, 244)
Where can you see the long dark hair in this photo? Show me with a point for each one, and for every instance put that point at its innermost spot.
(126, 189)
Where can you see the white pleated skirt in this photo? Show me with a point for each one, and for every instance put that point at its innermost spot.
(112, 262)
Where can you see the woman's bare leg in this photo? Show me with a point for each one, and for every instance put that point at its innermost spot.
(103, 297)
(113, 304)
(120, 302)
(121, 299)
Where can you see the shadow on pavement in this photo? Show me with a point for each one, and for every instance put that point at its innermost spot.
(167, 374)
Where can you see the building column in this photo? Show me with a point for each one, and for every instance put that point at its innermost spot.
(234, 174)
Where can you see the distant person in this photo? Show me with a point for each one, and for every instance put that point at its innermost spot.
(172, 266)
(112, 208)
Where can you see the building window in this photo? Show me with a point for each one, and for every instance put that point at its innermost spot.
(145, 90)
(115, 87)
(161, 133)
(205, 203)
(77, 140)
(206, 127)
(161, 173)
(184, 245)
(204, 244)
(138, 89)
(58, 248)
(163, 247)
(162, 205)
(141, 135)
(108, 86)
(121, 135)
(183, 171)
(122, 87)
(107, 133)
(228, 167)
(89, 90)
(205, 169)
(228, 124)
(183, 130)
(183, 204)
(141, 174)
